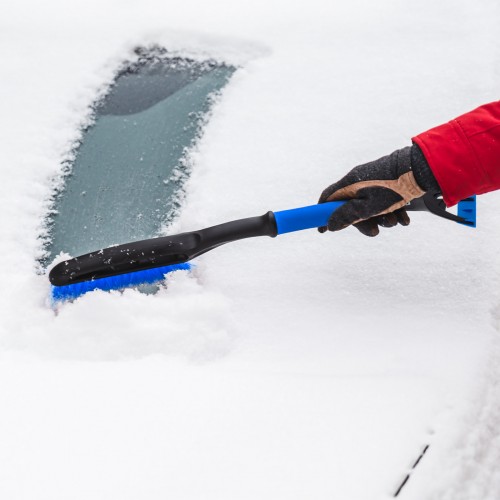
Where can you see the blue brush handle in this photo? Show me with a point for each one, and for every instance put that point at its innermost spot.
(309, 217)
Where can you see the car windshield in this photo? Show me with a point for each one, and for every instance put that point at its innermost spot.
(127, 174)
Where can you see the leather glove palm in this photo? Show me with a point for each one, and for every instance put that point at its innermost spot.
(378, 191)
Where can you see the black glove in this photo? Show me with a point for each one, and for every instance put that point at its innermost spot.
(379, 190)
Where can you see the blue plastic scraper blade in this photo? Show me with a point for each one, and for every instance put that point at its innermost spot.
(467, 210)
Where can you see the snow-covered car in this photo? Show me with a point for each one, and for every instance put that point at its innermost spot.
(303, 367)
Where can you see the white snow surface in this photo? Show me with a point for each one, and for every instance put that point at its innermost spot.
(305, 367)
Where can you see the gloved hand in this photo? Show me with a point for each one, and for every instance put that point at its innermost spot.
(379, 190)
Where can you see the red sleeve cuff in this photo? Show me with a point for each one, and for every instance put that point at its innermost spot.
(451, 162)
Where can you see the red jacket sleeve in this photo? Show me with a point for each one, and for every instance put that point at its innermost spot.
(464, 154)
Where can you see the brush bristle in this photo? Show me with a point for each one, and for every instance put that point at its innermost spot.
(149, 276)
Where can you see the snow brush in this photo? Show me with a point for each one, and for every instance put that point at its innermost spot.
(147, 261)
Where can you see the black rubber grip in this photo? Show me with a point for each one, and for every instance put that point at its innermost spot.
(157, 252)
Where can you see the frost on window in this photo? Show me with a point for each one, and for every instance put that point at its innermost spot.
(126, 178)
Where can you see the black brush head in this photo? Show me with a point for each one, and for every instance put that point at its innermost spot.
(121, 259)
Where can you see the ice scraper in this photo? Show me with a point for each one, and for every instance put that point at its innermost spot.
(148, 261)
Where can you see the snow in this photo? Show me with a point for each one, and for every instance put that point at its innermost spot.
(309, 366)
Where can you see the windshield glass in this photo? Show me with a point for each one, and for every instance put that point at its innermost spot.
(125, 180)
